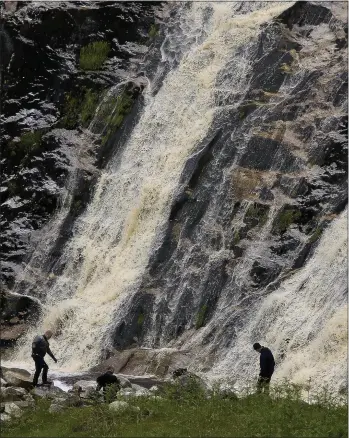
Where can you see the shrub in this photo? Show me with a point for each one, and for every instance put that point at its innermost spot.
(93, 56)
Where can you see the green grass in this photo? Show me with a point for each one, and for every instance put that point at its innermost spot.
(188, 413)
(118, 108)
(79, 108)
(93, 56)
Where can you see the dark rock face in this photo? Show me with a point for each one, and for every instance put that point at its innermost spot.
(49, 163)
(253, 208)
(17, 312)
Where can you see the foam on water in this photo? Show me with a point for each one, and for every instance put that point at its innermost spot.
(304, 321)
(113, 240)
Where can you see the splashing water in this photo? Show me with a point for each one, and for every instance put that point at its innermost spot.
(114, 238)
(304, 321)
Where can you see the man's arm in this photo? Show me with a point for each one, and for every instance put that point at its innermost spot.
(49, 352)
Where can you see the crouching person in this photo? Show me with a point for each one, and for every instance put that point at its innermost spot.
(110, 384)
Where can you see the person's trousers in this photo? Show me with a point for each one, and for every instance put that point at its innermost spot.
(263, 384)
(40, 365)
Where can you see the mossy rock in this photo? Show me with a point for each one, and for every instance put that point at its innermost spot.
(200, 318)
(256, 215)
(285, 218)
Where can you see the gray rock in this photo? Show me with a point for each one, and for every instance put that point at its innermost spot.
(126, 392)
(139, 390)
(120, 406)
(17, 377)
(4, 417)
(84, 385)
(55, 407)
(89, 393)
(3, 383)
(49, 392)
(154, 389)
(13, 410)
(125, 383)
(22, 404)
(10, 394)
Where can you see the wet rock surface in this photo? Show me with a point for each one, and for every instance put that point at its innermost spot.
(48, 99)
(253, 209)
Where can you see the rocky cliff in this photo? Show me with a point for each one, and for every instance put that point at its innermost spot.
(221, 133)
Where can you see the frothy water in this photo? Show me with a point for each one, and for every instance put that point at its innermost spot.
(124, 222)
(304, 321)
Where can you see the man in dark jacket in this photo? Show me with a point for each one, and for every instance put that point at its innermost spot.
(267, 365)
(40, 347)
(108, 379)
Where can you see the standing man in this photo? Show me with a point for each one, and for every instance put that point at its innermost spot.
(40, 347)
(267, 364)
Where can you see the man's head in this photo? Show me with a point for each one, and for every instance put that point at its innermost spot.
(48, 334)
(257, 347)
(110, 369)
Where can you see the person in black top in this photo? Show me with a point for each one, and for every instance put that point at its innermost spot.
(267, 365)
(108, 379)
(40, 347)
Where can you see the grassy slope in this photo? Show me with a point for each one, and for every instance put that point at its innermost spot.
(251, 416)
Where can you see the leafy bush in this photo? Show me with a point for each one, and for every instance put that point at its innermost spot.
(93, 56)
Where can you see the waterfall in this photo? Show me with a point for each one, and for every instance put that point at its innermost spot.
(304, 321)
(114, 239)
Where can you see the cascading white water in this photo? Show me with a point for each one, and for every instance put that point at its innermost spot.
(305, 320)
(114, 239)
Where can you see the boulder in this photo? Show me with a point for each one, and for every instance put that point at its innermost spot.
(121, 406)
(73, 400)
(13, 410)
(140, 391)
(154, 389)
(90, 393)
(126, 392)
(4, 417)
(20, 371)
(18, 378)
(14, 305)
(186, 380)
(3, 383)
(49, 392)
(55, 407)
(118, 405)
(84, 385)
(9, 334)
(11, 394)
(22, 404)
(125, 383)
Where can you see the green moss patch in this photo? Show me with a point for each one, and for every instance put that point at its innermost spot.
(93, 56)
(285, 218)
(200, 318)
